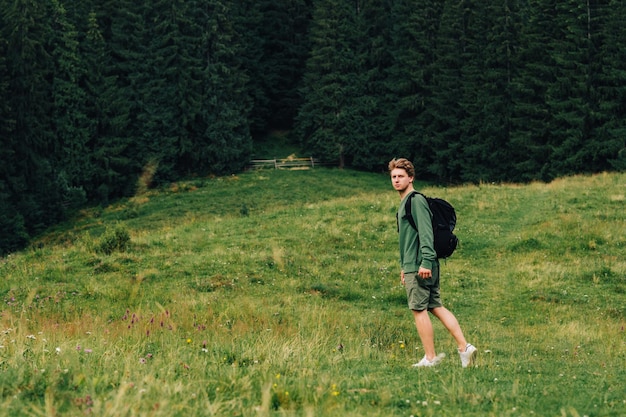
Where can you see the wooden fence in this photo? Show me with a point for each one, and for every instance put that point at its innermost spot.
(285, 163)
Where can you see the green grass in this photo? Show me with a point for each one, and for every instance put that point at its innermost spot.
(276, 293)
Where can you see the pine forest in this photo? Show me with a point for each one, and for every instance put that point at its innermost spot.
(95, 94)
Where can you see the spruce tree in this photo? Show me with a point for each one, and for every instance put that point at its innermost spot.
(531, 120)
(411, 80)
(251, 26)
(568, 97)
(608, 84)
(119, 150)
(218, 139)
(13, 233)
(69, 121)
(492, 36)
(334, 81)
(283, 34)
(161, 84)
(373, 128)
(31, 184)
(445, 110)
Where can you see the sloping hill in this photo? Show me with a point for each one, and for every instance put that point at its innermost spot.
(277, 293)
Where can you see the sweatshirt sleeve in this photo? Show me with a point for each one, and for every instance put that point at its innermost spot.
(423, 218)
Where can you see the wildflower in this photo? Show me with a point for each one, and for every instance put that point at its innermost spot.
(78, 348)
(31, 336)
(142, 360)
(188, 341)
(58, 350)
(87, 351)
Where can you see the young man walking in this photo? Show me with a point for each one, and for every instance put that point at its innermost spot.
(420, 269)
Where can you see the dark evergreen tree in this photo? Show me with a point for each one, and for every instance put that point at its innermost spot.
(334, 82)
(7, 127)
(218, 138)
(372, 129)
(250, 25)
(445, 110)
(283, 32)
(117, 41)
(411, 79)
(491, 31)
(161, 79)
(108, 115)
(69, 122)
(531, 119)
(607, 38)
(31, 194)
(13, 233)
(568, 97)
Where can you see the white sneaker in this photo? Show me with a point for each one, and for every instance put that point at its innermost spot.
(426, 363)
(468, 356)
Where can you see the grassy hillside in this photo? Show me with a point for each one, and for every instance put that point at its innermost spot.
(277, 293)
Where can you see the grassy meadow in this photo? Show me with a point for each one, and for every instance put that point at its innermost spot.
(277, 293)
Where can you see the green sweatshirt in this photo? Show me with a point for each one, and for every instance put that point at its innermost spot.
(416, 248)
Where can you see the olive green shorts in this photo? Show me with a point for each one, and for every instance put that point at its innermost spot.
(423, 294)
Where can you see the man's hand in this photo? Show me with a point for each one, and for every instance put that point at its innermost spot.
(424, 273)
(402, 277)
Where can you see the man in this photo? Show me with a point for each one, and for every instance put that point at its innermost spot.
(420, 269)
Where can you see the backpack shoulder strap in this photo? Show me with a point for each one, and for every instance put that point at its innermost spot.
(407, 210)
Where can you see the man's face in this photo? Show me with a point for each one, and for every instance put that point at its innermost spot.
(400, 180)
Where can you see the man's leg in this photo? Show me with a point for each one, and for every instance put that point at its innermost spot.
(451, 323)
(425, 331)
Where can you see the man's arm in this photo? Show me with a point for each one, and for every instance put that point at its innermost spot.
(423, 219)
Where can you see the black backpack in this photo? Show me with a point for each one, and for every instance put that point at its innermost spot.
(444, 221)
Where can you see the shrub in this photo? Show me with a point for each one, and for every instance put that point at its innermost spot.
(114, 239)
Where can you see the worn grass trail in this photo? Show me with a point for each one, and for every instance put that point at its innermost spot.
(277, 293)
